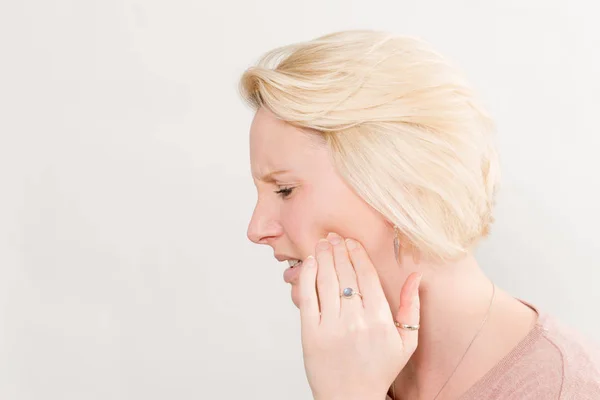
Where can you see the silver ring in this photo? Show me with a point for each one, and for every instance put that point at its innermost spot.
(348, 293)
(408, 327)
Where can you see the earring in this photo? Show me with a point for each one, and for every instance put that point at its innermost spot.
(396, 241)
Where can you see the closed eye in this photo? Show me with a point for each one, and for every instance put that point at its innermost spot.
(284, 192)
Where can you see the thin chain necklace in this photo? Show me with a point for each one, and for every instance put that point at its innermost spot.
(487, 314)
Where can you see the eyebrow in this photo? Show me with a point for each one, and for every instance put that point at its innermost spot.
(270, 177)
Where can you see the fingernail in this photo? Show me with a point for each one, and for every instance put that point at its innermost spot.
(351, 244)
(309, 262)
(323, 244)
(334, 238)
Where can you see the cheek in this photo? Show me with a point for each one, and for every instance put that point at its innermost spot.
(350, 216)
(305, 221)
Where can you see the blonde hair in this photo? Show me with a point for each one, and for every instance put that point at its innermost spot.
(404, 128)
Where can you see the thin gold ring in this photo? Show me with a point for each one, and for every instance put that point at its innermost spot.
(407, 327)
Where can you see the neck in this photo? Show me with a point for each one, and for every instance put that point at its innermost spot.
(455, 298)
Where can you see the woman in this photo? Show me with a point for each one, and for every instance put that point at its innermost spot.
(376, 175)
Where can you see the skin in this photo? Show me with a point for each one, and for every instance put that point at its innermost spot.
(454, 297)
(351, 347)
(320, 201)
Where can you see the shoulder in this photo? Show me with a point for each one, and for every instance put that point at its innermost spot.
(551, 362)
(580, 360)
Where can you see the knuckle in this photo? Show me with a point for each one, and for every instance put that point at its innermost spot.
(357, 325)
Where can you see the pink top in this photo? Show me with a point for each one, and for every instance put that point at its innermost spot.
(551, 362)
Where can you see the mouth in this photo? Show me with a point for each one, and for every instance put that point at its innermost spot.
(293, 272)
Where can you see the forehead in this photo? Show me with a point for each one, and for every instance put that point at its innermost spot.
(276, 145)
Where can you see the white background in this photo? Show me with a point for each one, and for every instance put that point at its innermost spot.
(125, 187)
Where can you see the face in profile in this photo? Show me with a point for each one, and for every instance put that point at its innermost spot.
(301, 197)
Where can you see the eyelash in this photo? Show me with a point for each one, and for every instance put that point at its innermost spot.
(285, 192)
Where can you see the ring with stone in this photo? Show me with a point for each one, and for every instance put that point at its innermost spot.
(348, 293)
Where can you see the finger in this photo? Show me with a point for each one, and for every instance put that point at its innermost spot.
(327, 282)
(366, 275)
(308, 302)
(346, 275)
(408, 312)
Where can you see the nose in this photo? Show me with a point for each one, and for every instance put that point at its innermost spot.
(263, 226)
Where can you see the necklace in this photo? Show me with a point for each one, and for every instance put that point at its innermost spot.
(487, 314)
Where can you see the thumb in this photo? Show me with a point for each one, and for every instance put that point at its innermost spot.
(408, 314)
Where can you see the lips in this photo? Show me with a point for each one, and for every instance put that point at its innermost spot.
(291, 274)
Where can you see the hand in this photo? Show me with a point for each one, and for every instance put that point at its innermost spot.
(352, 348)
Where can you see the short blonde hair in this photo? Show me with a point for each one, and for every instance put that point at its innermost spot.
(404, 128)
